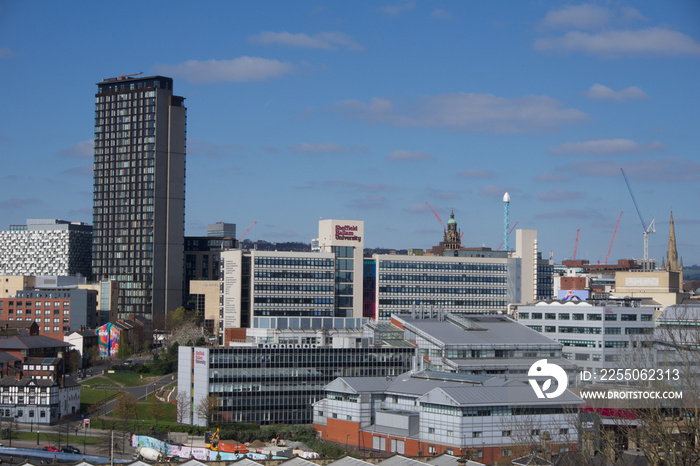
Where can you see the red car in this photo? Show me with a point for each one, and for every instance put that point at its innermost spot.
(50, 448)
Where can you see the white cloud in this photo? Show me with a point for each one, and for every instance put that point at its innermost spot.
(606, 147)
(600, 92)
(467, 112)
(239, 69)
(476, 173)
(441, 14)
(322, 40)
(327, 148)
(650, 41)
(490, 190)
(81, 149)
(584, 16)
(396, 9)
(559, 195)
(668, 169)
(407, 155)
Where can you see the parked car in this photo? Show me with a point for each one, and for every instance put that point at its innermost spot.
(50, 448)
(70, 449)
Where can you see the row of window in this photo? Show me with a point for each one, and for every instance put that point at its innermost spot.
(450, 266)
(293, 262)
(18, 304)
(440, 290)
(399, 277)
(577, 316)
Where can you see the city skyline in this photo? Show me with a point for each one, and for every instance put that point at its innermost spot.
(366, 111)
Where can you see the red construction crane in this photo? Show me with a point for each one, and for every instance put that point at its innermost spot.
(124, 76)
(576, 244)
(437, 216)
(511, 231)
(247, 230)
(613, 238)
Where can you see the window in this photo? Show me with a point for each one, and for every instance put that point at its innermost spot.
(524, 315)
(535, 432)
(628, 317)
(564, 316)
(431, 449)
(647, 317)
(577, 316)
(611, 317)
(431, 430)
(450, 433)
(506, 452)
(477, 434)
(563, 431)
(550, 329)
(595, 317)
(505, 433)
(550, 316)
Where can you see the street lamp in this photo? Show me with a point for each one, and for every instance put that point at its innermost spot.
(37, 437)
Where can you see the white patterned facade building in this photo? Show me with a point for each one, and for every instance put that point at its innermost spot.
(47, 247)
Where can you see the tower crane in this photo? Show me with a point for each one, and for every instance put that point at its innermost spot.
(576, 244)
(437, 216)
(613, 238)
(124, 76)
(247, 230)
(651, 228)
(511, 231)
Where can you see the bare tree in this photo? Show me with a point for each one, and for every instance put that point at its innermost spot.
(208, 409)
(184, 406)
(667, 362)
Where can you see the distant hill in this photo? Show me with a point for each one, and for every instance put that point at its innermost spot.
(691, 272)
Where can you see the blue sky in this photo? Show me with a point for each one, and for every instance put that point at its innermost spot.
(366, 110)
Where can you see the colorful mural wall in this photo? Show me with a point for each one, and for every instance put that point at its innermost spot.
(108, 340)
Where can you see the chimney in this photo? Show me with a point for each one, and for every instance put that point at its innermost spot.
(547, 446)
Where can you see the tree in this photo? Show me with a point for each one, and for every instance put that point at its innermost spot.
(666, 362)
(207, 409)
(184, 407)
(73, 362)
(125, 406)
(157, 410)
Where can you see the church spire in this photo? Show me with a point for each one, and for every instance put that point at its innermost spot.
(672, 253)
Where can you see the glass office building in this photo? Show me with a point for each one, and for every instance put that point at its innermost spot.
(277, 384)
(139, 193)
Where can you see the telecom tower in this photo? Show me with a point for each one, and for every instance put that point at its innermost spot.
(506, 220)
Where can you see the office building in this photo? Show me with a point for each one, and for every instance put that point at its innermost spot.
(479, 345)
(595, 335)
(46, 247)
(276, 283)
(139, 193)
(277, 383)
(56, 311)
(491, 420)
(345, 240)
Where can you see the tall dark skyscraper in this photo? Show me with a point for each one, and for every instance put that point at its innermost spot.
(139, 193)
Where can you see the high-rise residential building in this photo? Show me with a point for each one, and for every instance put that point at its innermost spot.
(46, 247)
(139, 193)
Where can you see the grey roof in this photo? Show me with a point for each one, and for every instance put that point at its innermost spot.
(405, 384)
(680, 313)
(398, 460)
(362, 384)
(492, 331)
(349, 461)
(31, 342)
(512, 363)
(517, 393)
(449, 460)
(296, 461)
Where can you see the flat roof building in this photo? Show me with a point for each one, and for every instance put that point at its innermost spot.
(139, 193)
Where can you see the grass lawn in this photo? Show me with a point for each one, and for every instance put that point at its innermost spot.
(122, 379)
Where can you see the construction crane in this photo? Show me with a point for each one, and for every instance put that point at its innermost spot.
(437, 216)
(511, 231)
(651, 228)
(613, 238)
(576, 244)
(124, 76)
(247, 230)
